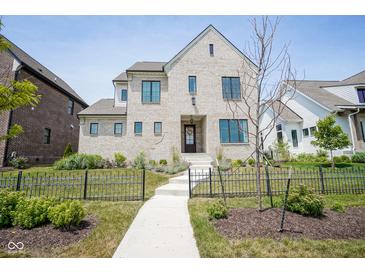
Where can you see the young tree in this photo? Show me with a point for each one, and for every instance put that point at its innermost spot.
(267, 82)
(14, 94)
(330, 136)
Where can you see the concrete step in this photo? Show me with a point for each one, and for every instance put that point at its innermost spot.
(201, 167)
(173, 189)
(200, 163)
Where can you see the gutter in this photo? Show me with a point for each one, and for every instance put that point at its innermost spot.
(351, 130)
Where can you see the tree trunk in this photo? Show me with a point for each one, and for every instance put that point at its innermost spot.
(258, 175)
(332, 160)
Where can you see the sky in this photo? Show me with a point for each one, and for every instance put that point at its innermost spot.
(88, 52)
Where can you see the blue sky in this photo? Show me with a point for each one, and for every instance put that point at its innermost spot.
(89, 51)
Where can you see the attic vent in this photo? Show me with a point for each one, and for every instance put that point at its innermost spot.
(55, 79)
(41, 70)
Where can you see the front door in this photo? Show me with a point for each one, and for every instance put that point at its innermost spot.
(190, 138)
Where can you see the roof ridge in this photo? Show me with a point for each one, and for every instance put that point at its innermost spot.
(353, 75)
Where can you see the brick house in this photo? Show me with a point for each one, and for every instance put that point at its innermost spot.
(50, 125)
(180, 104)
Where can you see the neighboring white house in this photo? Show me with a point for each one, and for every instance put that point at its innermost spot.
(180, 104)
(313, 100)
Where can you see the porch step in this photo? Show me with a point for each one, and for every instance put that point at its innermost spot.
(173, 189)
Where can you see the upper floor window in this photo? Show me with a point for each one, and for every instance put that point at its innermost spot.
(294, 137)
(123, 95)
(361, 94)
(231, 88)
(312, 130)
(279, 132)
(362, 127)
(94, 127)
(192, 84)
(211, 49)
(157, 128)
(47, 136)
(233, 130)
(70, 107)
(118, 128)
(138, 128)
(151, 92)
(305, 132)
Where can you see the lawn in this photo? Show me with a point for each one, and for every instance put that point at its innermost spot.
(113, 220)
(212, 244)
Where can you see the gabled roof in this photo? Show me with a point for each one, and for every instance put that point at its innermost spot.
(356, 79)
(314, 90)
(286, 113)
(147, 66)
(26, 60)
(121, 77)
(103, 107)
(198, 38)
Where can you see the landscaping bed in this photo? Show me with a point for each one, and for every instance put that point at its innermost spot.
(249, 222)
(39, 239)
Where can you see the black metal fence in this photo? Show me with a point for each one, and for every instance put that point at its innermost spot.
(242, 182)
(112, 185)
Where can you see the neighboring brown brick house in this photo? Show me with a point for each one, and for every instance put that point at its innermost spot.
(50, 125)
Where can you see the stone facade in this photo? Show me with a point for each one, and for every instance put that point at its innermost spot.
(176, 109)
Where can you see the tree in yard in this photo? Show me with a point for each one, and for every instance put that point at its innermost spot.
(14, 94)
(266, 82)
(330, 136)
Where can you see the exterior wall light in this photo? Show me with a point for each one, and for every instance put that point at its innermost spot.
(193, 100)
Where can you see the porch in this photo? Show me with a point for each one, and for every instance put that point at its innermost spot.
(193, 133)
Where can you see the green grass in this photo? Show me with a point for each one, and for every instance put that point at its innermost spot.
(317, 165)
(114, 219)
(214, 245)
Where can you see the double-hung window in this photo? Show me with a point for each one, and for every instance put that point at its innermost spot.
(231, 88)
(118, 128)
(192, 85)
(361, 95)
(233, 131)
(211, 49)
(294, 137)
(138, 128)
(70, 107)
(279, 132)
(151, 92)
(312, 130)
(94, 127)
(47, 136)
(305, 132)
(157, 128)
(123, 95)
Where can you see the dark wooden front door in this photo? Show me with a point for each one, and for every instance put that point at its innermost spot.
(189, 138)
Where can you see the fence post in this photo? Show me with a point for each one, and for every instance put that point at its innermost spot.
(143, 183)
(19, 180)
(268, 185)
(285, 202)
(321, 179)
(189, 183)
(85, 184)
(210, 182)
(222, 186)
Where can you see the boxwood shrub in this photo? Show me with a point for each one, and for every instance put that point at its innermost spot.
(66, 214)
(8, 202)
(303, 201)
(79, 161)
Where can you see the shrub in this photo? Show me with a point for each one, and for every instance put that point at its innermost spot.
(303, 201)
(358, 157)
(225, 164)
(119, 159)
(152, 163)
(32, 212)
(140, 161)
(66, 214)
(217, 210)
(311, 158)
(163, 162)
(79, 161)
(219, 154)
(281, 151)
(68, 150)
(237, 163)
(338, 207)
(175, 155)
(8, 202)
(19, 162)
(342, 159)
(322, 153)
(176, 168)
(251, 161)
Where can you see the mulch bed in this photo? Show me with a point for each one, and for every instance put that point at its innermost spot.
(46, 236)
(250, 223)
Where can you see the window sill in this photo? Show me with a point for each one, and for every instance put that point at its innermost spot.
(147, 103)
(226, 99)
(158, 134)
(118, 135)
(234, 144)
(94, 135)
(137, 134)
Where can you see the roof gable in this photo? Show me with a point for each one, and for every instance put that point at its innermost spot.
(180, 54)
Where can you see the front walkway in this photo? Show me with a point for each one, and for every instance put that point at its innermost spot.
(162, 226)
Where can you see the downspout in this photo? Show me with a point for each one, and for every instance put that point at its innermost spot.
(351, 130)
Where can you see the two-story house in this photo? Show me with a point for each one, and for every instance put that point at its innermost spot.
(314, 100)
(49, 126)
(180, 104)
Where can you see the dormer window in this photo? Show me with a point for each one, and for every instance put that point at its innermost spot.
(361, 95)
(123, 95)
(211, 49)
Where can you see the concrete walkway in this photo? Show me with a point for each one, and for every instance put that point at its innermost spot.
(162, 226)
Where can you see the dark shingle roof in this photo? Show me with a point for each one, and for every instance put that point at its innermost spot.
(38, 68)
(104, 107)
(286, 113)
(147, 66)
(313, 90)
(358, 78)
(121, 77)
